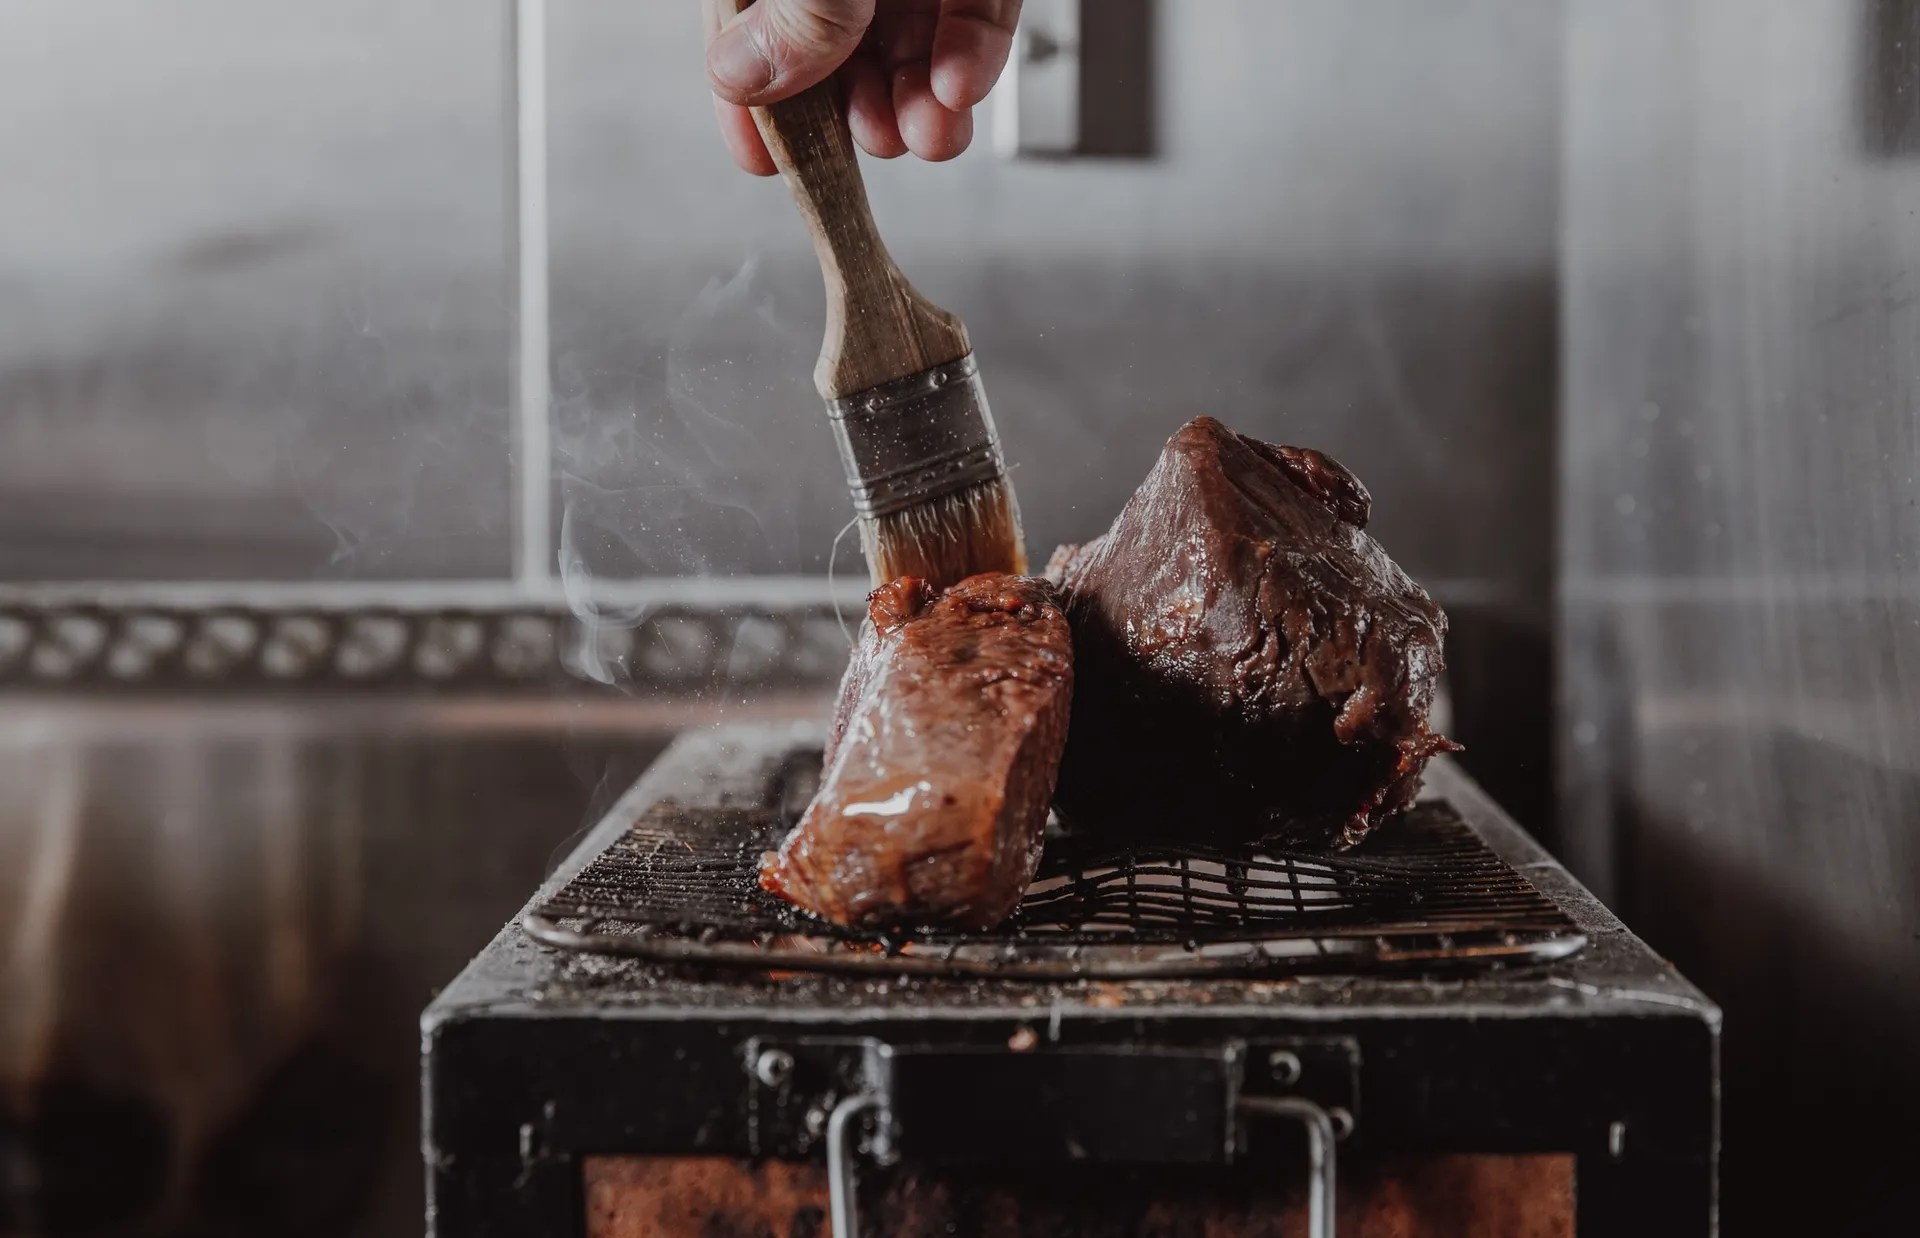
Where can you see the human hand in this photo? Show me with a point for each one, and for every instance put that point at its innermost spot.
(911, 70)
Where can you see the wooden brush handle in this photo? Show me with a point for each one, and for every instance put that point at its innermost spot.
(878, 327)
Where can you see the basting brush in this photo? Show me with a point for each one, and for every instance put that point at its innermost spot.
(903, 392)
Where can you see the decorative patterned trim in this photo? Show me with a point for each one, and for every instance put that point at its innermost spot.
(130, 644)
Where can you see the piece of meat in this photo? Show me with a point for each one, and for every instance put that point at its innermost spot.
(1250, 661)
(940, 768)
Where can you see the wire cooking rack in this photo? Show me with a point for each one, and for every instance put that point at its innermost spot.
(1423, 894)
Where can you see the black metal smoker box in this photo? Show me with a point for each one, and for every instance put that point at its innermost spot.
(1442, 1034)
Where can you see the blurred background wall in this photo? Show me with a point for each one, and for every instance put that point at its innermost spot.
(253, 290)
(1739, 515)
(1606, 301)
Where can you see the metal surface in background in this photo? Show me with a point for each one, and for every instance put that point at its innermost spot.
(290, 301)
(212, 970)
(1740, 537)
(254, 290)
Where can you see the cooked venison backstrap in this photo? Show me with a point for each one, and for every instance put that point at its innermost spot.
(942, 761)
(1250, 661)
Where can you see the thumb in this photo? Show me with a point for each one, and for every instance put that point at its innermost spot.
(778, 48)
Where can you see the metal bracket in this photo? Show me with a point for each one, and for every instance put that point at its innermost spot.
(1321, 1069)
(797, 1084)
(1316, 1082)
(1037, 109)
(806, 1093)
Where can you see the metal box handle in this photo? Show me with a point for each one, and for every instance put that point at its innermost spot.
(1321, 1169)
(842, 1184)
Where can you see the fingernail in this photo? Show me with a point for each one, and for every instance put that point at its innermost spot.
(736, 61)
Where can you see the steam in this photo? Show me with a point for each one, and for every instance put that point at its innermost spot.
(385, 422)
(699, 465)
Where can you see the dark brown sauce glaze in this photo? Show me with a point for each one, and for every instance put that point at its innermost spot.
(941, 766)
(1249, 660)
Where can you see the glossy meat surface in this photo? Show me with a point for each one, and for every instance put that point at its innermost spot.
(1250, 661)
(941, 766)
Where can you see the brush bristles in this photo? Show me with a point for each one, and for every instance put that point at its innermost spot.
(948, 539)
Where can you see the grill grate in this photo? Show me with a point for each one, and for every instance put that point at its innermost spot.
(1426, 893)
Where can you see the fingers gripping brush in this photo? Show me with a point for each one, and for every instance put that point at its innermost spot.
(903, 393)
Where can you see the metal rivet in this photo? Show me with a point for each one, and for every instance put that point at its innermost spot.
(1285, 1065)
(1342, 1122)
(773, 1067)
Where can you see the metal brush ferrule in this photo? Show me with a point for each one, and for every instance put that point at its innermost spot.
(916, 439)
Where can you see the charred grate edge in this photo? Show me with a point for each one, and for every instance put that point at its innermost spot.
(1425, 893)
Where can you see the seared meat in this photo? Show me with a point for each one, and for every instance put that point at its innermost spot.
(941, 765)
(1249, 660)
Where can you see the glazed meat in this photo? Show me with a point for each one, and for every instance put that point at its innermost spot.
(942, 761)
(1250, 661)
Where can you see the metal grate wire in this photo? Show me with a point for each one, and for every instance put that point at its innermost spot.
(681, 885)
